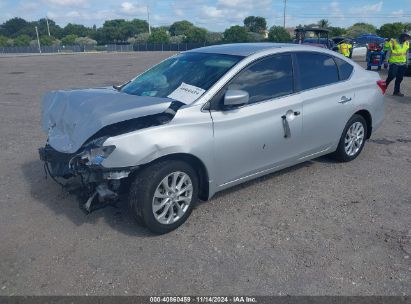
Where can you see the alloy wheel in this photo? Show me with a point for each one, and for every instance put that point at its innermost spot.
(354, 138)
(172, 197)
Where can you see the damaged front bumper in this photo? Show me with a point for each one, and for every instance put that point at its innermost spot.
(101, 185)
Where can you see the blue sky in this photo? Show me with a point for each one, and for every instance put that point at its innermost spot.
(214, 15)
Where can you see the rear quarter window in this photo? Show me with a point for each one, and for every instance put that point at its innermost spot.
(344, 68)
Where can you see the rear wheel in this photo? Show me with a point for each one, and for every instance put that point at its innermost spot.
(352, 140)
(163, 195)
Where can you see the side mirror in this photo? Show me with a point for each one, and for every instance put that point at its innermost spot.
(234, 98)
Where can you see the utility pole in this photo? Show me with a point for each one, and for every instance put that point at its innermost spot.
(148, 19)
(38, 39)
(48, 28)
(285, 7)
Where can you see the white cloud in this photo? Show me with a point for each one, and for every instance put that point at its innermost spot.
(178, 12)
(238, 4)
(72, 3)
(399, 13)
(129, 8)
(335, 13)
(366, 9)
(212, 12)
(73, 14)
(25, 7)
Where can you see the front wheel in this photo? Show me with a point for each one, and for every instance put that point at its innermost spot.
(162, 196)
(352, 140)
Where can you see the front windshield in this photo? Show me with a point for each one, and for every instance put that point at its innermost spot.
(200, 70)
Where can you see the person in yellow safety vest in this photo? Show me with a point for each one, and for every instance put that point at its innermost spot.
(387, 45)
(385, 49)
(345, 48)
(398, 59)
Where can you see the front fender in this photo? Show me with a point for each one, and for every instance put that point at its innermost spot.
(189, 132)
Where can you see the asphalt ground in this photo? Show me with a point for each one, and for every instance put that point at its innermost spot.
(319, 228)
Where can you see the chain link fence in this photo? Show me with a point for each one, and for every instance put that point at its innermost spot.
(138, 47)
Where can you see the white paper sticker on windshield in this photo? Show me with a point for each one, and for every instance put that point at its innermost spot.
(186, 93)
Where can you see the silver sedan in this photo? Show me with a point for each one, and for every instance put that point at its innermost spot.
(206, 120)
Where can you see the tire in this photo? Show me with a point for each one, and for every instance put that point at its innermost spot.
(343, 152)
(148, 191)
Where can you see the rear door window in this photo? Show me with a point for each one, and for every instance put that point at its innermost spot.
(315, 70)
(345, 69)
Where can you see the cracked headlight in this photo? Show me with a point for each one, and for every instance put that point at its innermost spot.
(95, 153)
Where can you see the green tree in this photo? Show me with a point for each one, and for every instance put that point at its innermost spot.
(255, 37)
(279, 34)
(255, 24)
(132, 28)
(34, 43)
(324, 23)
(180, 28)
(177, 39)
(391, 30)
(142, 38)
(111, 31)
(46, 40)
(213, 37)
(196, 35)
(12, 27)
(55, 30)
(22, 40)
(235, 33)
(336, 31)
(76, 29)
(85, 41)
(361, 28)
(69, 39)
(159, 36)
(3, 41)
(140, 26)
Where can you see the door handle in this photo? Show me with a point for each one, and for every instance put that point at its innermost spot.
(345, 99)
(289, 116)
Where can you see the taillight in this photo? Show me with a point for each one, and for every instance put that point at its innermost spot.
(383, 85)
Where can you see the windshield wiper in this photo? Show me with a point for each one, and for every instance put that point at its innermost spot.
(120, 86)
(117, 87)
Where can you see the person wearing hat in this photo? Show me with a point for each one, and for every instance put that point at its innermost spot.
(398, 60)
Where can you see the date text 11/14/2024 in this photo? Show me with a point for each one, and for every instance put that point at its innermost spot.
(203, 299)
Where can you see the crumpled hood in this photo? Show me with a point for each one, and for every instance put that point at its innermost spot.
(71, 117)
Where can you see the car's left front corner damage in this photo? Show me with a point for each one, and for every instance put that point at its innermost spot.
(84, 171)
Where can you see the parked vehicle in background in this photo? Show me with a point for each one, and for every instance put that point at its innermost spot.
(313, 36)
(208, 119)
(363, 40)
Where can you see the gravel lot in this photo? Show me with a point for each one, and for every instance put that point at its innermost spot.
(320, 228)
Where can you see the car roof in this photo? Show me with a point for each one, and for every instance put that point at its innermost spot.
(241, 49)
